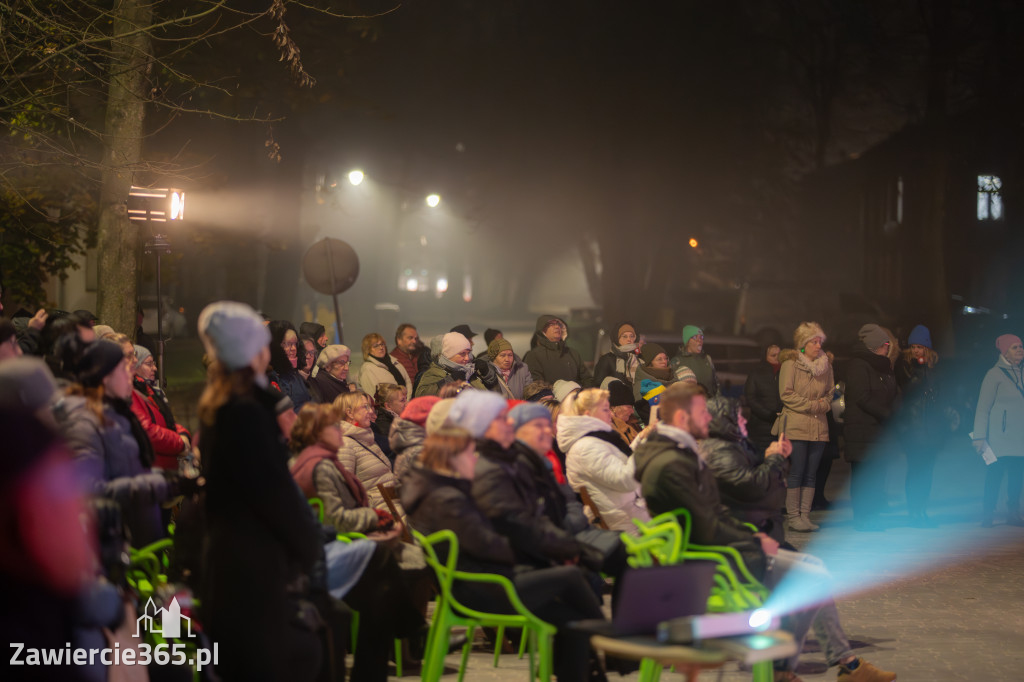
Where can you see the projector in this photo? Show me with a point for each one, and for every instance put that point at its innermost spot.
(690, 629)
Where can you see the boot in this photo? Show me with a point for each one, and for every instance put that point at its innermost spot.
(806, 498)
(796, 521)
(864, 672)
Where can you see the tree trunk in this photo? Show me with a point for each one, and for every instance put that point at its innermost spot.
(117, 294)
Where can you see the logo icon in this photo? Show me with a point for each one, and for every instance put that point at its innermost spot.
(170, 620)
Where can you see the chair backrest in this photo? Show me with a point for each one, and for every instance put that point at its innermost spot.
(388, 493)
(588, 502)
(445, 570)
(318, 506)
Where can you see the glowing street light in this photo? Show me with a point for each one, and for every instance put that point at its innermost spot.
(433, 200)
(693, 243)
(356, 177)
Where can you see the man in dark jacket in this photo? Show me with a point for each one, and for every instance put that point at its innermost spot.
(752, 486)
(870, 397)
(549, 359)
(672, 475)
(692, 356)
(762, 394)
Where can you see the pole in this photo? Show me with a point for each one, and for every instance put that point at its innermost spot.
(334, 288)
(159, 323)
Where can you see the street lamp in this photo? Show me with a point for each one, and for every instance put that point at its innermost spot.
(433, 200)
(356, 177)
(156, 207)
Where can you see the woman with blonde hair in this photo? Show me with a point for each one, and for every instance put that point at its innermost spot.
(805, 388)
(359, 452)
(599, 459)
(379, 368)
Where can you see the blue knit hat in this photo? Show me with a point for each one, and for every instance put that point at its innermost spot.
(527, 412)
(920, 336)
(651, 391)
(475, 410)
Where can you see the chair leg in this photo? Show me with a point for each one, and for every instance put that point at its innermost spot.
(499, 642)
(465, 652)
(354, 631)
(763, 672)
(650, 671)
(398, 657)
(433, 663)
(545, 651)
(522, 643)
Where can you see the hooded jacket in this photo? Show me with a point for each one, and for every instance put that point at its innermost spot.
(551, 362)
(437, 376)
(603, 469)
(806, 396)
(360, 454)
(870, 399)
(751, 486)
(999, 418)
(617, 363)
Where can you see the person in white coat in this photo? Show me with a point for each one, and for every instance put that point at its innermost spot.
(359, 453)
(599, 459)
(380, 368)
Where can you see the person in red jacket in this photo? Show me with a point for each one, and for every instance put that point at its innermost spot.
(150, 407)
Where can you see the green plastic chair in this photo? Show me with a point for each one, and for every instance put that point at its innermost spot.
(450, 613)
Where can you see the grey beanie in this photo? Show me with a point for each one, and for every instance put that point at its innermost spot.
(233, 333)
(563, 388)
(141, 353)
(475, 410)
(872, 336)
(26, 383)
(527, 412)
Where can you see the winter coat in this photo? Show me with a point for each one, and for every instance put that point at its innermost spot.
(360, 454)
(605, 471)
(373, 372)
(558, 500)
(999, 418)
(291, 383)
(702, 366)
(551, 362)
(437, 376)
(870, 398)
(762, 395)
(753, 487)
(438, 502)
(922, 412)
(261, 534)
(166, 442)
(806, 397)
(505, 493)
(673, 476)
(518, 380)
(413, 364)
(107, 460)
(607, 364)
(341, 507)
(381, 428)
(406, 441)
(644, 373)
(325, 388)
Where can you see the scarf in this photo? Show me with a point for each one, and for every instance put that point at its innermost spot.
(463, 372)
(776, 366)
(613, 437)
(816, 367)
(626, 360)
(665, 375)
(390, 366)
(302, 471)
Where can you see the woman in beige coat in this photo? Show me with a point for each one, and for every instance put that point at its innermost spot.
(359, 453)
(805, 387)
(380, 368)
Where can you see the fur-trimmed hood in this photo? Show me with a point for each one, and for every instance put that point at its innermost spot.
(793, 354)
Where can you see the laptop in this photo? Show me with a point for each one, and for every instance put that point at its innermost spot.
(649, 596)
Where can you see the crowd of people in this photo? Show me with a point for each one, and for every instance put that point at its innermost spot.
(291, 501)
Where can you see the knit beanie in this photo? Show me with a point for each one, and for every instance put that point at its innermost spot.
(497, 346)
(102, 330)
(1004, 342)
(651, 351)
(490, 335)
(807, 331)
(684, 373)
(527, 412)
(454, 343)
(563, 388)
(99, 359)
(651, 391)
(872, 336)
(920, 336)
(233, 333)
(475, 410)
(621, 327)
(418, 409)
(26, 383)
(690, 331)
(142, 353)
(331, 353)
(619, 394)
(438, 416)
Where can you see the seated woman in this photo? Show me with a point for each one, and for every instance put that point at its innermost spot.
(597, 457)
(388, 402)
(359, 452)
(286, 363)
(378, 367)
(437, 495)
(329, 378)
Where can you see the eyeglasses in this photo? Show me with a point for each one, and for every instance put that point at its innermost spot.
(379, 344)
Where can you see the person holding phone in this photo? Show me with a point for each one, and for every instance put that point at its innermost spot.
(805, 387)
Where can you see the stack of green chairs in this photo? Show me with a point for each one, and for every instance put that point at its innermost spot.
(450, 613)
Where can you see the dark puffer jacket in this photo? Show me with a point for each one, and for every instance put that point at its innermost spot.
(762, 394)
(870, 399)
(551, 362)
(751, 486)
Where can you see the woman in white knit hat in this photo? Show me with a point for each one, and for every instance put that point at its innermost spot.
(805, 387)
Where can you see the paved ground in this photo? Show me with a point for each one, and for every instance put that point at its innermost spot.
(944, 604)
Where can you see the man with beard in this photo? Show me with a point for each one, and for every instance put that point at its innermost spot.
(673, 475)
(408, 351)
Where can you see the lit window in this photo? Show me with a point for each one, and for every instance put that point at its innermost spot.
(990, 199)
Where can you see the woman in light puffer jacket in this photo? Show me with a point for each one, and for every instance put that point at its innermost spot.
(359, 453)
(599, 459)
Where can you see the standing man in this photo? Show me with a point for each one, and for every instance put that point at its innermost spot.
(549, 359)
(691, 355)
